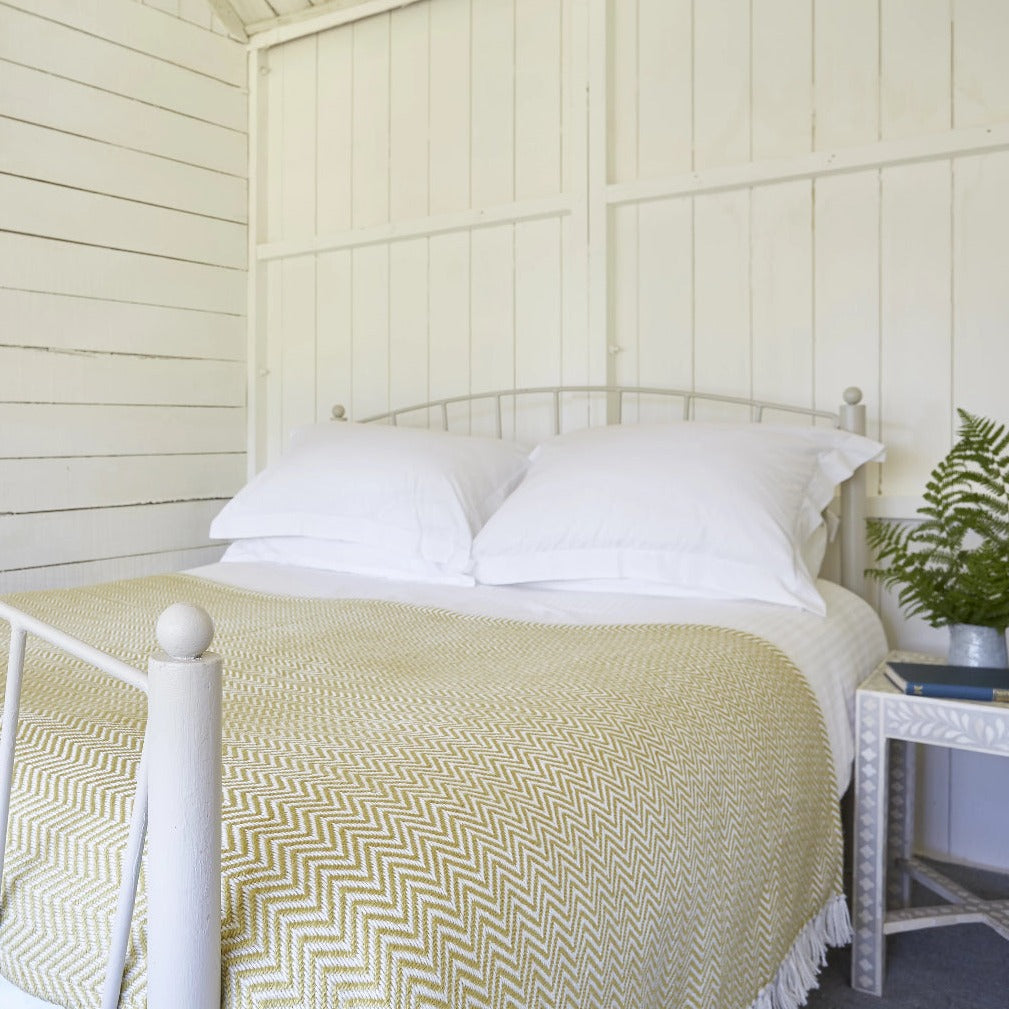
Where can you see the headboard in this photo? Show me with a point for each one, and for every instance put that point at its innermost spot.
(608, 404)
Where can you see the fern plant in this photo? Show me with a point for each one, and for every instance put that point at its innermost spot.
(952, 567)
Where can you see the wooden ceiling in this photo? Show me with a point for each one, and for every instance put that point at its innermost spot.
(247, 18)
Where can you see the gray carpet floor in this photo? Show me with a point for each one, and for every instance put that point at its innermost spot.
(959, 967)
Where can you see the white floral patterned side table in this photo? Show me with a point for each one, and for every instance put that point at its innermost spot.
(887, 725)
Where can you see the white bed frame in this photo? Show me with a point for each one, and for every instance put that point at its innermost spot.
(177, 803)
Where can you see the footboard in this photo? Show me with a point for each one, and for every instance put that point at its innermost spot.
(177, 804)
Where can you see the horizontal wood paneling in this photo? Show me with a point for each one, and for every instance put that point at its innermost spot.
(123, 254)
(32, 430)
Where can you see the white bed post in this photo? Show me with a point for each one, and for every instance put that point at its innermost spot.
(853, 493)
(184, 815)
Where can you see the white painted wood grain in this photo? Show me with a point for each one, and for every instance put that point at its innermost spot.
(721, 82)
(48, 539)
(62, 322)
(492, 115)
(108, 569)
(449, 107)
(980, 69)
(334, 132)
(370, 301)
(980, 292)
(49, 430)
(298, 344)
(451, 262)
(408, 324)
(41, 98)
(615, 37)
(622, 324)
(30, 375)
(78, 56)
(409, 69)
(334, 339)
(297, 168)
(75, 483)
(40, 264)
(35, 152)
(916, 315)
(371, 121)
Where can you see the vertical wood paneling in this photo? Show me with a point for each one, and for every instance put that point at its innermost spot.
(722, 351)
(370, 301)
(622, 130)
(916, 322)
(915, 81)
(298, 343)
(122, 182)
(334, 317)
(492, 117)
(334, 132)
(981, 294)
(846, 73)
(371, 121)
(782, 78)
(408, 322)
(980, 68)
(721, 82)
(408, 113)
(449, 129)
(782, 285)
(451, 260)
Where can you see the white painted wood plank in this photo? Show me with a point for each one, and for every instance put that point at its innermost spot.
(538, 45)
(36, 152)
(449, 127)
(408, 324)
(665, 88)
(334, 329)
(915, 82)
(539, 284)
(492, 122)
(782, 78)
(623, 303)
(52, 211)
(782, 292)
(72, 376)
(132, 25)
(371, 121)
(721, 82)
(722, 342)
(26, 485)
(980, 293)
(846, 67)
(39, 264)
(92, 572)
(53, 47)
(296, 133)
(371, 330)
(298, 344)
(980, 68)
(846, 291)
(270, 169)
(451, 261)
(67, 537)
(665, 282)
(35, 319)
(916, 323)
(492, 318)
(47, 431)
(409, 113)
(334, 132)
(615, 29)
(40, 98)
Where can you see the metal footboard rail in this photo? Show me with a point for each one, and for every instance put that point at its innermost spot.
(176, 805)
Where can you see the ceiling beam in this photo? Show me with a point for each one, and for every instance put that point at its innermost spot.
(229, 18)
(331, 14)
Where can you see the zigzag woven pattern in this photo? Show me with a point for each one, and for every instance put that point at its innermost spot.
(429, 810)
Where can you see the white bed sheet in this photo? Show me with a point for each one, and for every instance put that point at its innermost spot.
(835, 652)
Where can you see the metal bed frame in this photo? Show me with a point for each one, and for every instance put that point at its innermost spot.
(177, 803)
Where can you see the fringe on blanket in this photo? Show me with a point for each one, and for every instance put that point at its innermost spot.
(797, 974)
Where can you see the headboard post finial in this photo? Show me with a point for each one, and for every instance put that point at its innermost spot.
(339, 412)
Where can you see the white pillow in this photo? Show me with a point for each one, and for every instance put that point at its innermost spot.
(415, 494)
(725, 511)
(336, 555)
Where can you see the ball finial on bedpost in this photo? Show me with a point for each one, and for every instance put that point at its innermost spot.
(852, 395)
(339, 412)
(185, 631)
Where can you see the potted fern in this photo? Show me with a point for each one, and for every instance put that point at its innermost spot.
(952, 566)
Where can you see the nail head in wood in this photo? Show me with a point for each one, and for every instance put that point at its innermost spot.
(185, 631)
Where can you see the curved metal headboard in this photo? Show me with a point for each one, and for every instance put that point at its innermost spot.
(850, 416)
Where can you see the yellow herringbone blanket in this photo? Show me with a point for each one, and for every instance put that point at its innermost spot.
(425, 809)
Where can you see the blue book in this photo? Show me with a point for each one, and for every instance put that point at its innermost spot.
(964, 683)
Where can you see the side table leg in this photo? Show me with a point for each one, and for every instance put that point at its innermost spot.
(869, 845)
(900, 821)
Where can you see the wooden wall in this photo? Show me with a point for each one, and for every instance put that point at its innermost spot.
(123, 247)
(778, 199)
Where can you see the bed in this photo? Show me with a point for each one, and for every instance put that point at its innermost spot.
(492, 763)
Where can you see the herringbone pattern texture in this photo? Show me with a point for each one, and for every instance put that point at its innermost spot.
(429, 810)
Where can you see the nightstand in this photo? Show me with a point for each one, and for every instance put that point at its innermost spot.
(888, 724)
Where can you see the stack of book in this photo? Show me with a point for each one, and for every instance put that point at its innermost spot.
(966, 683)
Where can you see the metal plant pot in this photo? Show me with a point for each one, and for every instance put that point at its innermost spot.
(971, 645)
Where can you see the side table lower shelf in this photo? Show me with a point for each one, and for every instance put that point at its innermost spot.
(888, 724)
